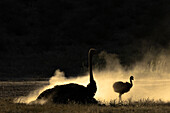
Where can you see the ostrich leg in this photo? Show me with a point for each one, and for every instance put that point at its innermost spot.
(120, 98)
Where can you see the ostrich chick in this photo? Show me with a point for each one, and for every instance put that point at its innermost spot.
(122, 88)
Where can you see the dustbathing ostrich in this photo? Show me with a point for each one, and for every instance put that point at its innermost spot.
(73, 92)
(122, 88)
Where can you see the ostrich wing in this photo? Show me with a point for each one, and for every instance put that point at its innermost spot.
(65, 93)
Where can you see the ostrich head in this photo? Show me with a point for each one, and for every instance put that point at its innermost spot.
(92, 51)
(131, 78)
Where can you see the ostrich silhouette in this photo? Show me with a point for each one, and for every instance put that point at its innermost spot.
(73, 92)
(122, 88)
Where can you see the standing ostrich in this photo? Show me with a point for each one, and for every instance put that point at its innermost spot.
(73, 92)
(122, 88)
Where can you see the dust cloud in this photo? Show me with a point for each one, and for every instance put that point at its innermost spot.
(151, 79)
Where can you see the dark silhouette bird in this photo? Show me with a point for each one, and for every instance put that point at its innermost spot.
(73, 92)
(122, 88)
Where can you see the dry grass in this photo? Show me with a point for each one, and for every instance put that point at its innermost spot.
(7, 106)
(15, 89)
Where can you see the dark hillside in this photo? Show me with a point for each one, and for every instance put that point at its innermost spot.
(39, 36)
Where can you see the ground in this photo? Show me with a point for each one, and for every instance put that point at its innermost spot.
(10, 90)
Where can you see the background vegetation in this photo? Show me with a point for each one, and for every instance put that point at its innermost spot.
(39, 36)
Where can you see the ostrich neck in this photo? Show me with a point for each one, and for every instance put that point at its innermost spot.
(131, 82)
(90, 68)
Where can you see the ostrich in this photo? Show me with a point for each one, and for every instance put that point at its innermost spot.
(122, 88)
(73, 92)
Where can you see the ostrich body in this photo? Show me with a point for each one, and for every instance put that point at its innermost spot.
(122, 88)
(73, 92)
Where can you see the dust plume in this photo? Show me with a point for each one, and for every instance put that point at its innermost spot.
(152, 79)
(57, 79)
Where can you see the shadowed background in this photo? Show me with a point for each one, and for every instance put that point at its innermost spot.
(37, 37)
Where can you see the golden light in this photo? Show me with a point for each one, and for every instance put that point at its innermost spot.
(152, 80)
